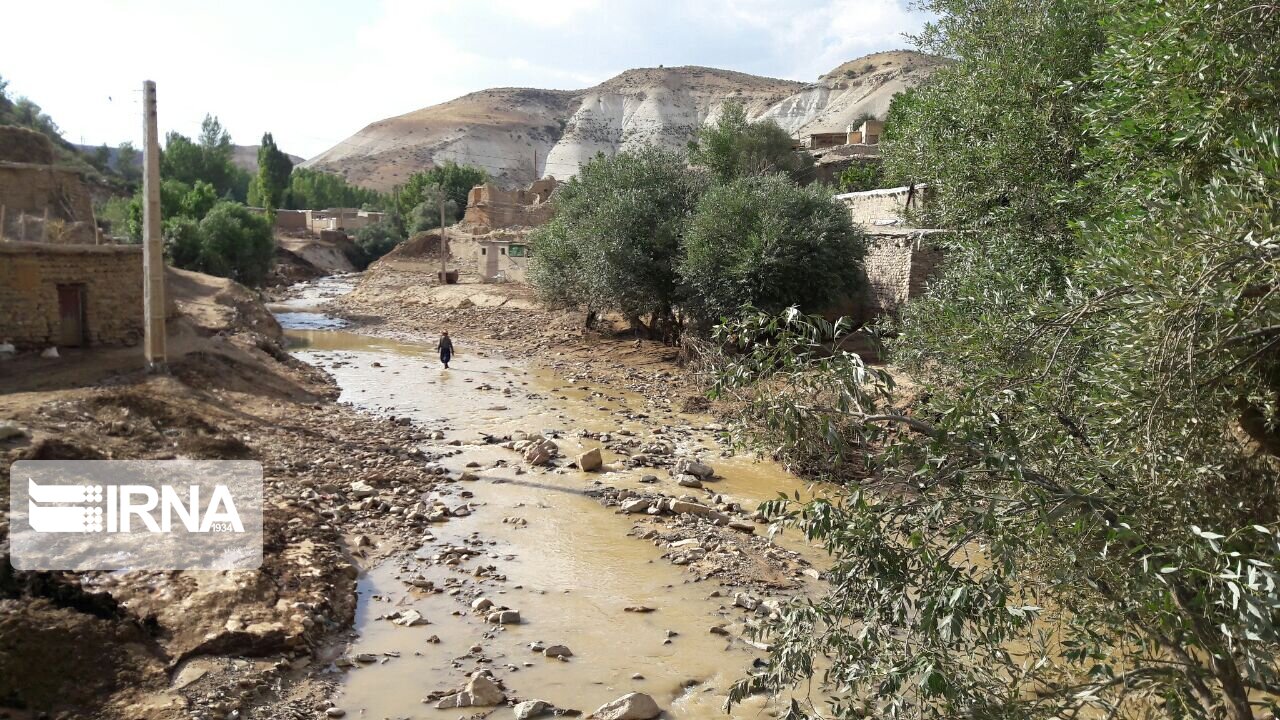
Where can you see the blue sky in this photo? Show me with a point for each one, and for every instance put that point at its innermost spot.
(315, 72)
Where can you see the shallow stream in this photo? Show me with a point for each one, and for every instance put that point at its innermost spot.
(562, 559)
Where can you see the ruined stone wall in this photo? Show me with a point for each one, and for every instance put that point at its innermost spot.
(29, 277)
(27, 190)
(491, 208)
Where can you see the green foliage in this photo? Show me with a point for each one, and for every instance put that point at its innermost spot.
(235, 243)
(115, 211)
(1078, 516)
(766, 242)
(127, 163)
(379, 238)
(274, 168)
(457, 180)
(734, 148)
(860, 176)
(314, 190)
(614, 241)
(208, 160)
(183, 242)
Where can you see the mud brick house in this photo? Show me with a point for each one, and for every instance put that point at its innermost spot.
(70, 295)
(491, 208)
(900, 259)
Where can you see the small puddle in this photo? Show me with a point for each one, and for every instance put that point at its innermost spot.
(570, 568)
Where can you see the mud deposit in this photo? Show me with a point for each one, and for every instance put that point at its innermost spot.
(645, 602)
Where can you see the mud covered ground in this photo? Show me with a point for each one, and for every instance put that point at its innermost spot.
(358, 489)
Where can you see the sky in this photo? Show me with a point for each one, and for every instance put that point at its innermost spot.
(314, 72)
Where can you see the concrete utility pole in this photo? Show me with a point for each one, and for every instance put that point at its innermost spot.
(444, 244)
(152, 248)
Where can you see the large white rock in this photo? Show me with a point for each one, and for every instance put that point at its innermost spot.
(531, 709)
(632, 706)
(590, 460)
(480, 692)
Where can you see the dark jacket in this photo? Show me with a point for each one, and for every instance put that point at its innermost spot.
(445, 345)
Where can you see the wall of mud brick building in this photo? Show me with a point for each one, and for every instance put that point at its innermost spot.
(898, 268)
(30, 274)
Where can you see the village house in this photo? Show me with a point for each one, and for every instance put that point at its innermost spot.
(492, 239)
(58, 287)
(900, 259)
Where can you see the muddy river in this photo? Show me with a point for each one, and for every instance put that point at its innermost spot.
(559, 557)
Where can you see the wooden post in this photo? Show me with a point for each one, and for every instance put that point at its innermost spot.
(152, 248)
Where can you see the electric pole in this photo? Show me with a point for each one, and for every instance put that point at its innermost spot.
(152, 249)
(444, 244)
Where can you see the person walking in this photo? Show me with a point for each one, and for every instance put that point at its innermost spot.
(445, 346)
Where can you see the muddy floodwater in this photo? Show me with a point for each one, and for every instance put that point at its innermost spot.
(559, 557)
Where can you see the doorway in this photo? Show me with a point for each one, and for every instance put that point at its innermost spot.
(71, 313)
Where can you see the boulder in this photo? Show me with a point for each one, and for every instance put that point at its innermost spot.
(558, 651)
(10, 430)
(480, 692)
(481, 604)
(531, 709)
(689, 481)
(590, 460)
(632, 706)
(635, 506)
(408, 618)
(685, 466)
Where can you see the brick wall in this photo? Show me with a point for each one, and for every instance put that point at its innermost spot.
(898, 268)
(492, 208)
(29, 277)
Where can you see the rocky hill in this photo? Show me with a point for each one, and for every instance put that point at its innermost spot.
(507, 130)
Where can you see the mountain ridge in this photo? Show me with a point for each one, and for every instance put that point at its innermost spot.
(518, 134)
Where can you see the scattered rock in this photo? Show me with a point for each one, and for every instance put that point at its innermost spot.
(504, 617)
(636, 506)
(10, 430)
(558, 651)
(638, 609)
(361, 489)
(689, 481)
(481, 604)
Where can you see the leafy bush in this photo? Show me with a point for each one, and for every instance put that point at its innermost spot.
(861, 176)
(457, 181)
(766, 242)
(236, 243)
(734, 148)
(378, 239)
(183, 242)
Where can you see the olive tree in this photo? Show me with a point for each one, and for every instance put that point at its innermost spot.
(1074, 513)
(766, 242)
(615, 239)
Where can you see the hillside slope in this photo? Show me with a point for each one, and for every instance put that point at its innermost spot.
(504, 129)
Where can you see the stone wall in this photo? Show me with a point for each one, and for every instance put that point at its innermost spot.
(491, 208)
(30, 273)
(898, 268)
